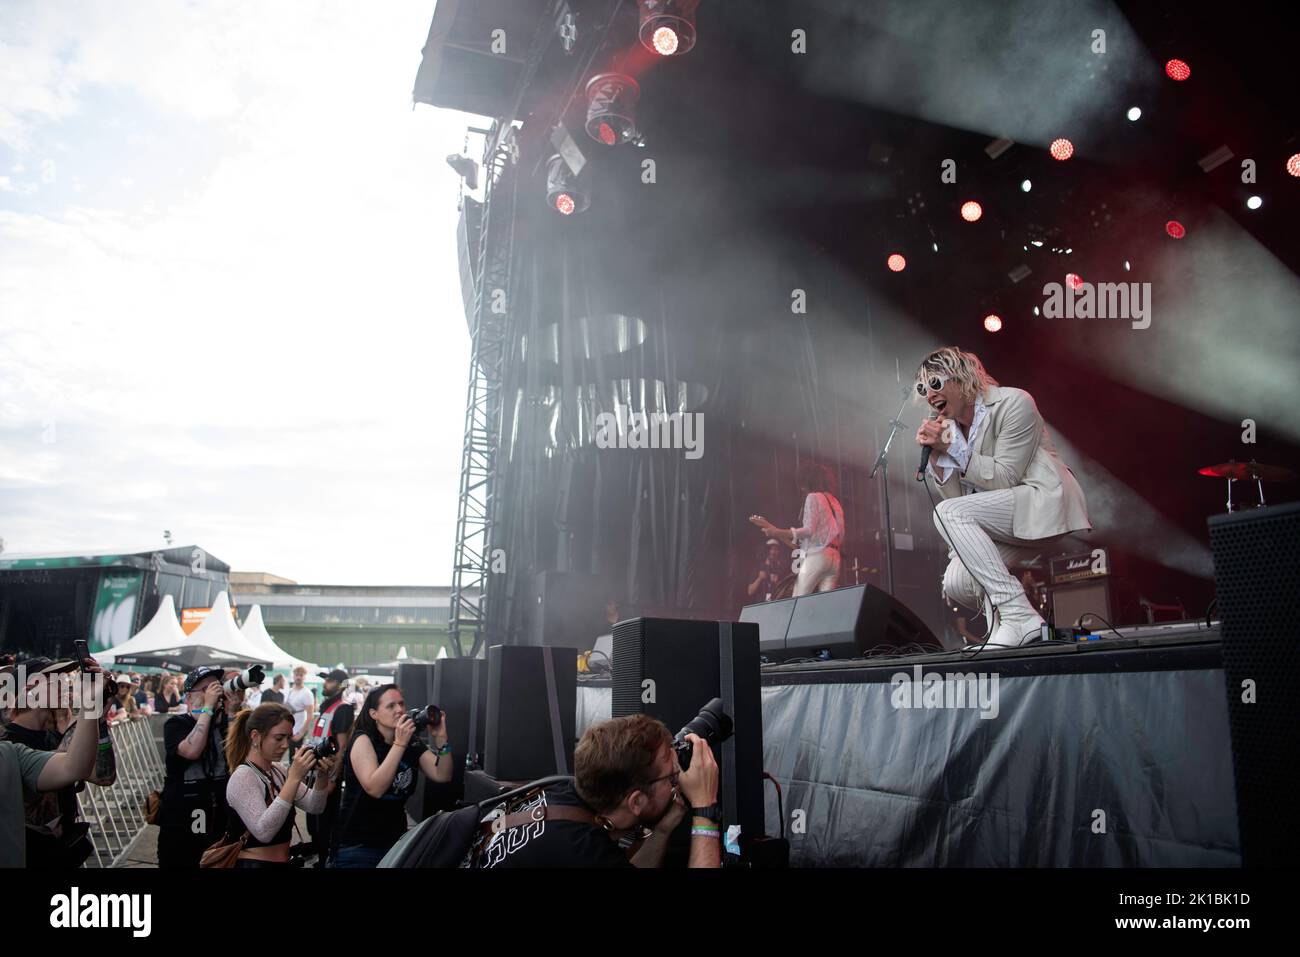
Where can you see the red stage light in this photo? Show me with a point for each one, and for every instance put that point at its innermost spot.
(607, 134)
(1074, 279)
(971, 211)
(1177, 70)
(896, 262)
(1175, 229)
(665, 41)
(564, 203)
(992, 323)
(1061, 149)
(1293, 165)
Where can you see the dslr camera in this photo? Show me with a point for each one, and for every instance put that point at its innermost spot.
(325, 749)
(424, 717)
(245, 679)
(712, 724)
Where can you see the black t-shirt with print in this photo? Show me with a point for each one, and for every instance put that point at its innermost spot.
(555, 843)
(193, 785)
(377, 822)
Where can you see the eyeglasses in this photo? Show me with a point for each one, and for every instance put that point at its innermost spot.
(667, 777)
(935, 382)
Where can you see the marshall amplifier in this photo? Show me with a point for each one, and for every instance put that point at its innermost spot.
(1080, 567)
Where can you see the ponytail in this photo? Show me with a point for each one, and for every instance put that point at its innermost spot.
(239, 736)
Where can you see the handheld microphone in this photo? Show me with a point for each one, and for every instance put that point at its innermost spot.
(925, 453)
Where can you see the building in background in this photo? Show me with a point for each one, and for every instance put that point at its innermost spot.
(352, 624)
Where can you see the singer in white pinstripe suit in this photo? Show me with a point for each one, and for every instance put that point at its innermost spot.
(1006, 493)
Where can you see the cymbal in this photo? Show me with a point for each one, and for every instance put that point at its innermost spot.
(1251, 470)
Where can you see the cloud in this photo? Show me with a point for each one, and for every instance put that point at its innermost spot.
(260, 345)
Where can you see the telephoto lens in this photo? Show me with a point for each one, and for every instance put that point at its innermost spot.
(245, 679)
(712, 724)
(424, 717)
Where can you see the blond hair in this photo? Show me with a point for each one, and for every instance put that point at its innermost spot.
(954, 363)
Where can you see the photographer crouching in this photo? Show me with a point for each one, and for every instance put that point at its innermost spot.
(193, 809)
(379, 771)
(261, 793)
(628, 780)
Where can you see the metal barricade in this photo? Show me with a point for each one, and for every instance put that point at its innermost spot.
(116, 813)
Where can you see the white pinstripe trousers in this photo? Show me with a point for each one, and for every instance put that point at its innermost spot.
(980, 527)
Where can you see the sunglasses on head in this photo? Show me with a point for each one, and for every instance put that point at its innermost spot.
(932, 383)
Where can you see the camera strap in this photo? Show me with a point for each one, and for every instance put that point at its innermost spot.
(553, 703)
(727, 783)
(470, 753)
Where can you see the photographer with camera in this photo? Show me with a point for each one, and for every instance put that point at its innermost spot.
(328, 736)
(379, 771)
(55, 837)
(261, 793)
(629, 784)
(193, 810)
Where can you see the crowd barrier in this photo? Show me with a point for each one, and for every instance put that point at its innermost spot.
(116, 813)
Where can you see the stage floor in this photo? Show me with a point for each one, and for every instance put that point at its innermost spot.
(1106, 753)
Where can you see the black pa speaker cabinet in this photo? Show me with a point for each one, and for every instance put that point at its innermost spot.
(460, 689)
(532, 705)
(416, 682)
(669, 669)
(1257, 579)
(844, 622)
(566, 609)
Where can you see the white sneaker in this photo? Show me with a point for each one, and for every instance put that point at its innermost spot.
(1018, 624)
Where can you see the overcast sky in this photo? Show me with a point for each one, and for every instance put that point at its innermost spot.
(229, 300)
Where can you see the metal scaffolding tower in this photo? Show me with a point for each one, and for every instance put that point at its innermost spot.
(474, 613)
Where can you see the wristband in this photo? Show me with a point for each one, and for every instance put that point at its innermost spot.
(702, 831)
(445, 749)
(200, 711)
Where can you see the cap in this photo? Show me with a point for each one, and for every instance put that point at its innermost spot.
(773, 541)
(198, 674)
(338, 674)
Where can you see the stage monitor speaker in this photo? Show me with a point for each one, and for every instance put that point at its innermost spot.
(669, 669)
(843, 623)
(566, 609)
(1087, 598)
(773, 620)
(532, 706)
(1256, 570)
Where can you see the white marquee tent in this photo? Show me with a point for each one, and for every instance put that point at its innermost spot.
(254, 631)
(163, 631)
(219, 630)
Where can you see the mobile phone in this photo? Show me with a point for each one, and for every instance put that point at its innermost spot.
(82, 651)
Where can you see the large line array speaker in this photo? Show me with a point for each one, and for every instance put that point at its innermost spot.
(460, 689)
(417, 684)
(1257, 578)
(566, 609)
(844, 623)
(669, 669)
(532, 712)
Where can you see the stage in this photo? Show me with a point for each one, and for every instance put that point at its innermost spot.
(1111, 753)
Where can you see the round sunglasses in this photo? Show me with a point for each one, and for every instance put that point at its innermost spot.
(934, 383)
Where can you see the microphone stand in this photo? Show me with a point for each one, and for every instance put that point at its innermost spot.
(882, 464)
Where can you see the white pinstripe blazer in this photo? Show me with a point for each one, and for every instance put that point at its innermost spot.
(1013, 450)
